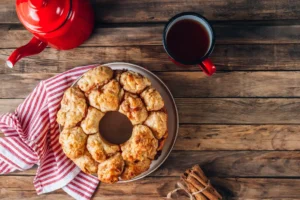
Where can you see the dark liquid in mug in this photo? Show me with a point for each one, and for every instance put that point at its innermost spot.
(188, 41)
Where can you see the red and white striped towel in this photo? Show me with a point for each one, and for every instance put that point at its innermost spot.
(31, 138)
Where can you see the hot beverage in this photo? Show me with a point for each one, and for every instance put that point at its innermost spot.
(188, 41)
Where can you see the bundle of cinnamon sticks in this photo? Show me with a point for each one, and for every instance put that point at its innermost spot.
(198, 184)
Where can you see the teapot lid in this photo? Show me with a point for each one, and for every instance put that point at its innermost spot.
(43, 15)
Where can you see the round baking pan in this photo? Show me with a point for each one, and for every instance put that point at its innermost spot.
(173, 119)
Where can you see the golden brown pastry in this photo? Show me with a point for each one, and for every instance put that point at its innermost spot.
(103, 101)
(90, 124)
(134, 108)
(102, 90)
(133, 169)
(114, 87)
(152, 99)
(73, 142)
(141, 145)
(110, 170)
(73, 108)
(101, 149)
(107, 98)
(95, 77)
(86, 163)
(157, 122)
(134, 82)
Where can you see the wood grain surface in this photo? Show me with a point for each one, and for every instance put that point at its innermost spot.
(154, 188)
(239, 47)
(160, 11)
(241, 125)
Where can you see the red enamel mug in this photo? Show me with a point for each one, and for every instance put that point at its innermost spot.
(61, 24)
(189, 39)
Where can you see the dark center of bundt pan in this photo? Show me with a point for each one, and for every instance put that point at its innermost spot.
(115, 127)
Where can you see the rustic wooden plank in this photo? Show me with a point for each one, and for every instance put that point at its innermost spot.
(226, 33)
(186, 84)
(157, 188)
(225, 57)
(161, 11)
(20, 85)
(234, 163)
(9, 105)
(233, 84)
(222, 110)
(227, 163)
(238, 111)
(238, 137)
(8, 12)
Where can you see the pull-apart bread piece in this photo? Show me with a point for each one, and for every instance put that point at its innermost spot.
(95, 77)
(157, 122)
(73, 108)
(141, 145)
(86, 163)
(152, 99)
(106, 98)
(134, 108)
(101, 149)
(90, 124)
(73, 142)
(110, 170)
(134, 82)
(133, 169)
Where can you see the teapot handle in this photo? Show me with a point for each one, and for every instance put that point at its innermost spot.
(34, 46)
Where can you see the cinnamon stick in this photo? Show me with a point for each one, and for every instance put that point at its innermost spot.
(199, 186)
(192, 189)
(199, 175)
(209, 189)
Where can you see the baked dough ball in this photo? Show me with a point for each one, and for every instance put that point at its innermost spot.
(111, 169)
(73, 108)
(157, 122)
(114, 87)
(134, 82)
(83, 106)
(134, 108)
(133, 169)
(95, 77)
(108, 98)
(73, 141)
(100, 149)
(152, 99)
(141, 145)
(90, 124)
(86, 163)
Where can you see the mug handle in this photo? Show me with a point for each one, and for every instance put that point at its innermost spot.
(208, 67)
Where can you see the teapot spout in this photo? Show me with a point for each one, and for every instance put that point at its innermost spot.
(34, 46)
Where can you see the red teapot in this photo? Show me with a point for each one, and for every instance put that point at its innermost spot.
(61, 24)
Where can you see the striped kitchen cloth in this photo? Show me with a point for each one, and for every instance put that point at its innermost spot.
(31, 138)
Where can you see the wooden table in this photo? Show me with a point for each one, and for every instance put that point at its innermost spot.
(241, 125)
